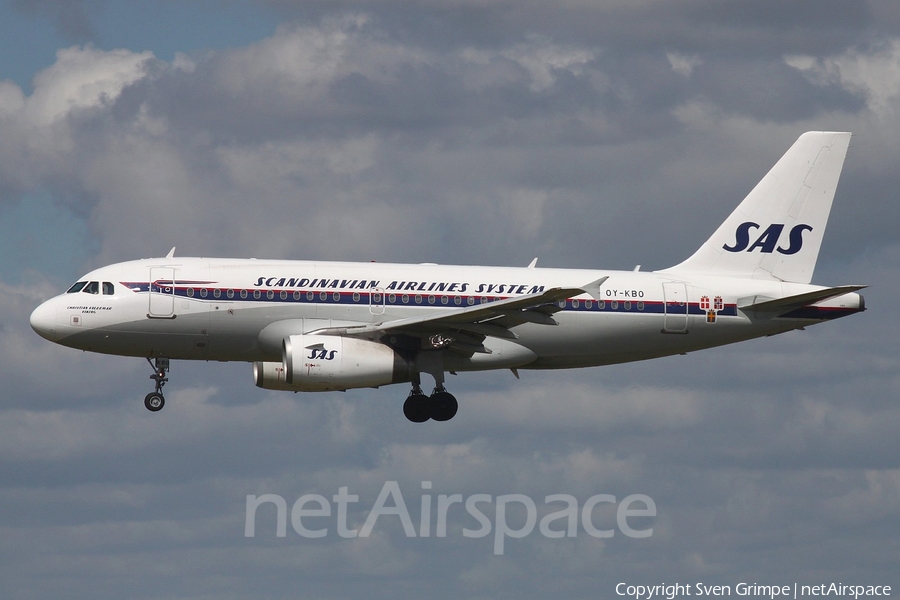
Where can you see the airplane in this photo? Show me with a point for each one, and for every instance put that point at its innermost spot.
(319, 326)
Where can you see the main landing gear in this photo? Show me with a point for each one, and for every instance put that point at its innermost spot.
(440, 406)
(154, 401)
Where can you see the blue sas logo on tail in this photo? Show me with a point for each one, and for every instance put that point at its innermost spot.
(767, 242)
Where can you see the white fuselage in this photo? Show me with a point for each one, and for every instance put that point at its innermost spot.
(240, 309)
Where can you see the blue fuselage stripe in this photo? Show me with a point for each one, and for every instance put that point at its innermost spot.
(379, 298)
(373, 297)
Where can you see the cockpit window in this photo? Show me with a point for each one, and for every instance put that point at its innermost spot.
(108, 289)
(77, 287)
(92, 288)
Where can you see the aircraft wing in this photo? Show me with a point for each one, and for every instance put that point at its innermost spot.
(489, 319)
(785, 305)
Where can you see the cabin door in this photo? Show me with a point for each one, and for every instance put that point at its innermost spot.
(676, 307)
(162, 292)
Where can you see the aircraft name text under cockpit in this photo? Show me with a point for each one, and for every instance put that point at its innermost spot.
(86, 309)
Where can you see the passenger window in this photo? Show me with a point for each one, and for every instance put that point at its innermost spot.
(108, 289)
(77, 287)
(92, 288)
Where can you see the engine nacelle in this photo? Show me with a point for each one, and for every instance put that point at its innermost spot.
(319, 363)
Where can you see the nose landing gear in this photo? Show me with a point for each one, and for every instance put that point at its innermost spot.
(154, 401)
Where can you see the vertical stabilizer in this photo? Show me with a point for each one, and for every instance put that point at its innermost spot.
(776, 232)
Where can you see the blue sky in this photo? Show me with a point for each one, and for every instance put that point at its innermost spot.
(36, 233)
(603, 134)
(30, 37)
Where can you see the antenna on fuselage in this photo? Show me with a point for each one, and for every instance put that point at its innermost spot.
(171, 253)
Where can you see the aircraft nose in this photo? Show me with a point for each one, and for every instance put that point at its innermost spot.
(43, 321)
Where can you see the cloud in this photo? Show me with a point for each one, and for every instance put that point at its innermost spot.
(873, 74)
(105, 126)
(540, 57)
(83, 78)
(12, 100)
(41, 147)
(683, 64)
(340, 118)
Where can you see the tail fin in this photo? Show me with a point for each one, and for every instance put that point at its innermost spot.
(776, 232)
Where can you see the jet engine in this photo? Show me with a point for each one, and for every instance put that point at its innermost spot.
(320, 363)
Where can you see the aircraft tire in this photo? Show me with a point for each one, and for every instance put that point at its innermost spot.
(443, 406)
(417, 408)
(154, 401)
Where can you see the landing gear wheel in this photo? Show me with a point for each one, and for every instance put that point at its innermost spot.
(417, 407)
(443, 406)
(154, 401)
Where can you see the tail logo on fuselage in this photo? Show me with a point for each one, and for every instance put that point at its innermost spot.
(768, 241)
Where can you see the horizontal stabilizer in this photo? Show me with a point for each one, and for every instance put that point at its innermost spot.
(785, 305)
